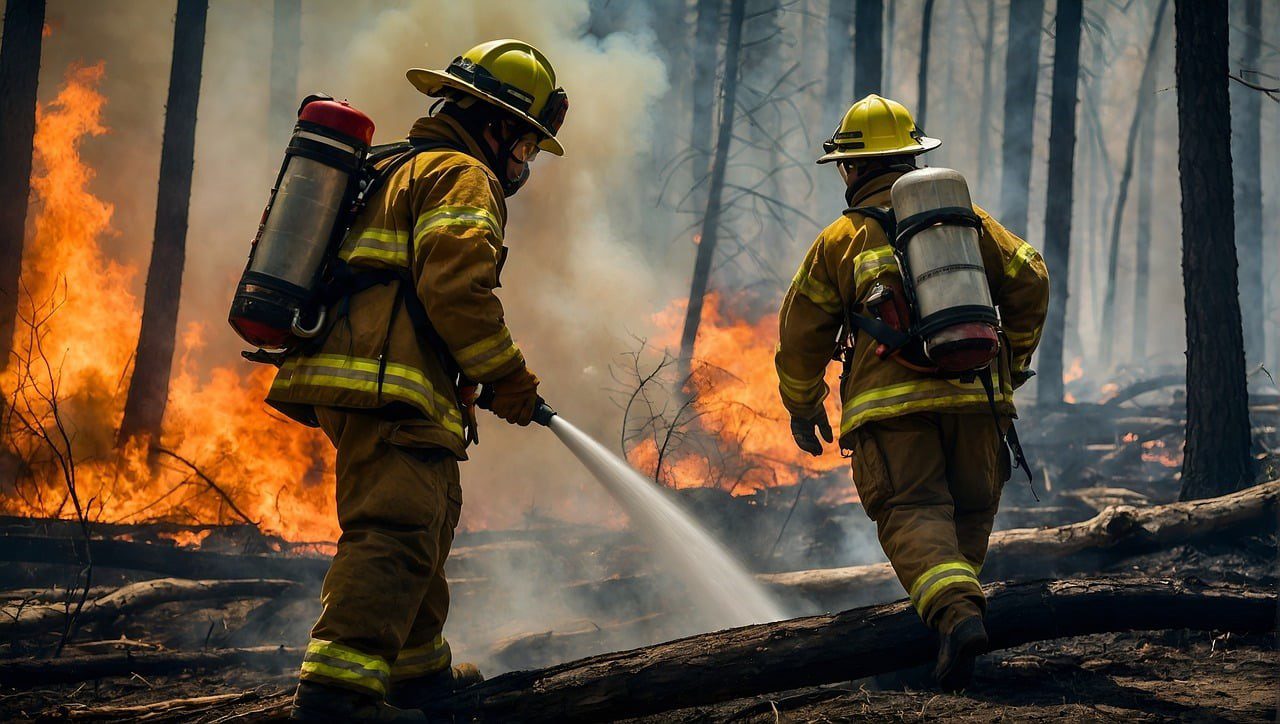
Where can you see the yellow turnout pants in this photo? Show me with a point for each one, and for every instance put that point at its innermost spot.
(932, 483)
(385, 597)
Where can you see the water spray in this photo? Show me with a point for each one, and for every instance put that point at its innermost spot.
(724, 591)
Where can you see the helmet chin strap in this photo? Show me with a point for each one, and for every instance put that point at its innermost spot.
(497, 160)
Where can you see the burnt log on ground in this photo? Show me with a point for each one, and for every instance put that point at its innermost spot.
(18, 620)
(854, 644)
(24, 672)
(169, 708)
(162, 559)
(1116, 533)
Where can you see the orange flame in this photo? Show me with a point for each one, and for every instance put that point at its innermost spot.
(1074, 372)
(738, 408)
(228, 460)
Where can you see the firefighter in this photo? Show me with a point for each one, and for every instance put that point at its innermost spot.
(929, 462)
(383, 384)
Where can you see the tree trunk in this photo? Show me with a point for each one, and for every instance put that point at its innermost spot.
(1057, 215)
(705, 41)
(1217, 457)
(839, 56)
(922, 77)
(163, 559)
(1141, 110)
(1247, 160)
(153, 361)
(1021, 69)
(711, 219)
(286, 46)
(984, 114)
(868, 48)
(887, 39)
(1142, 238)
(839, 647)
(19, 77)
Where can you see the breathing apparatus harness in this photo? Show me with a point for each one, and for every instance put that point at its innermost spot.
(893, 321)
(342, 281)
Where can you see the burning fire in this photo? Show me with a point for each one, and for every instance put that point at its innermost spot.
(221, 457)
(1074, 372)
(736, 404)
(1155, 451)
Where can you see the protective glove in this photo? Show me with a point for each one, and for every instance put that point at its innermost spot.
(803, 430)
(513, 398)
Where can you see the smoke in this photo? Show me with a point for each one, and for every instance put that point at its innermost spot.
(579, 267)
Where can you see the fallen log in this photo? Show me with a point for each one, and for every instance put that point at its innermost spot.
(861, 642)
(582, 638)
(135, 597)
(162, 559)
(66, 669)
(154, 710)
(1118, 532)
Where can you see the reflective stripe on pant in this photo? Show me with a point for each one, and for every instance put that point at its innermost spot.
(331, 663)
(932, 483)
(424, 660)
(385, 598)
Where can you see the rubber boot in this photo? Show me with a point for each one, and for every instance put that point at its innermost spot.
(425, 692)
(957, 651)
(318, 703)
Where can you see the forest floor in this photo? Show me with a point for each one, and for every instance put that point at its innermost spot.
(1161, 676)
(1173, 676)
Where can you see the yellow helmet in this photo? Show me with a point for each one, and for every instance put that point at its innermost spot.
(876, 126)
(510, 74)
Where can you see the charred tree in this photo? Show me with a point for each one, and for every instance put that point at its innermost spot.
(1142, 236)
(1021, 71)
(1216, 459)
(19, 78)
(1141, 109)
(1247, 164)
(922, 77)
(153, 361)
(839, 56)
(868, 48)
(984, 114)
(706, 36)
(715, 189)
(286, 46)
(1057, 215)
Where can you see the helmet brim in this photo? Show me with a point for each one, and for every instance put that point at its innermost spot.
(434, 82)
(925, 145)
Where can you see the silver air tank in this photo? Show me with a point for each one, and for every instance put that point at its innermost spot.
(938, 247)
(275, 302)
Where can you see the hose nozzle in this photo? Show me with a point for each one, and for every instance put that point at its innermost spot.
(542, 413)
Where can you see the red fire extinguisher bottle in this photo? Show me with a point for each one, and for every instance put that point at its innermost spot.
(275, 303)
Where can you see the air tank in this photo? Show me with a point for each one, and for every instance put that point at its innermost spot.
(946, 279)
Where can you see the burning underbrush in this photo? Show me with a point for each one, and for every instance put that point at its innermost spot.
(723, 425)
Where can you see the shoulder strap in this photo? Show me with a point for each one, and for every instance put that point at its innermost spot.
(883, 216)
(403, 152)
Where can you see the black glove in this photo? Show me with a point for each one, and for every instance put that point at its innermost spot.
(803, 430)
